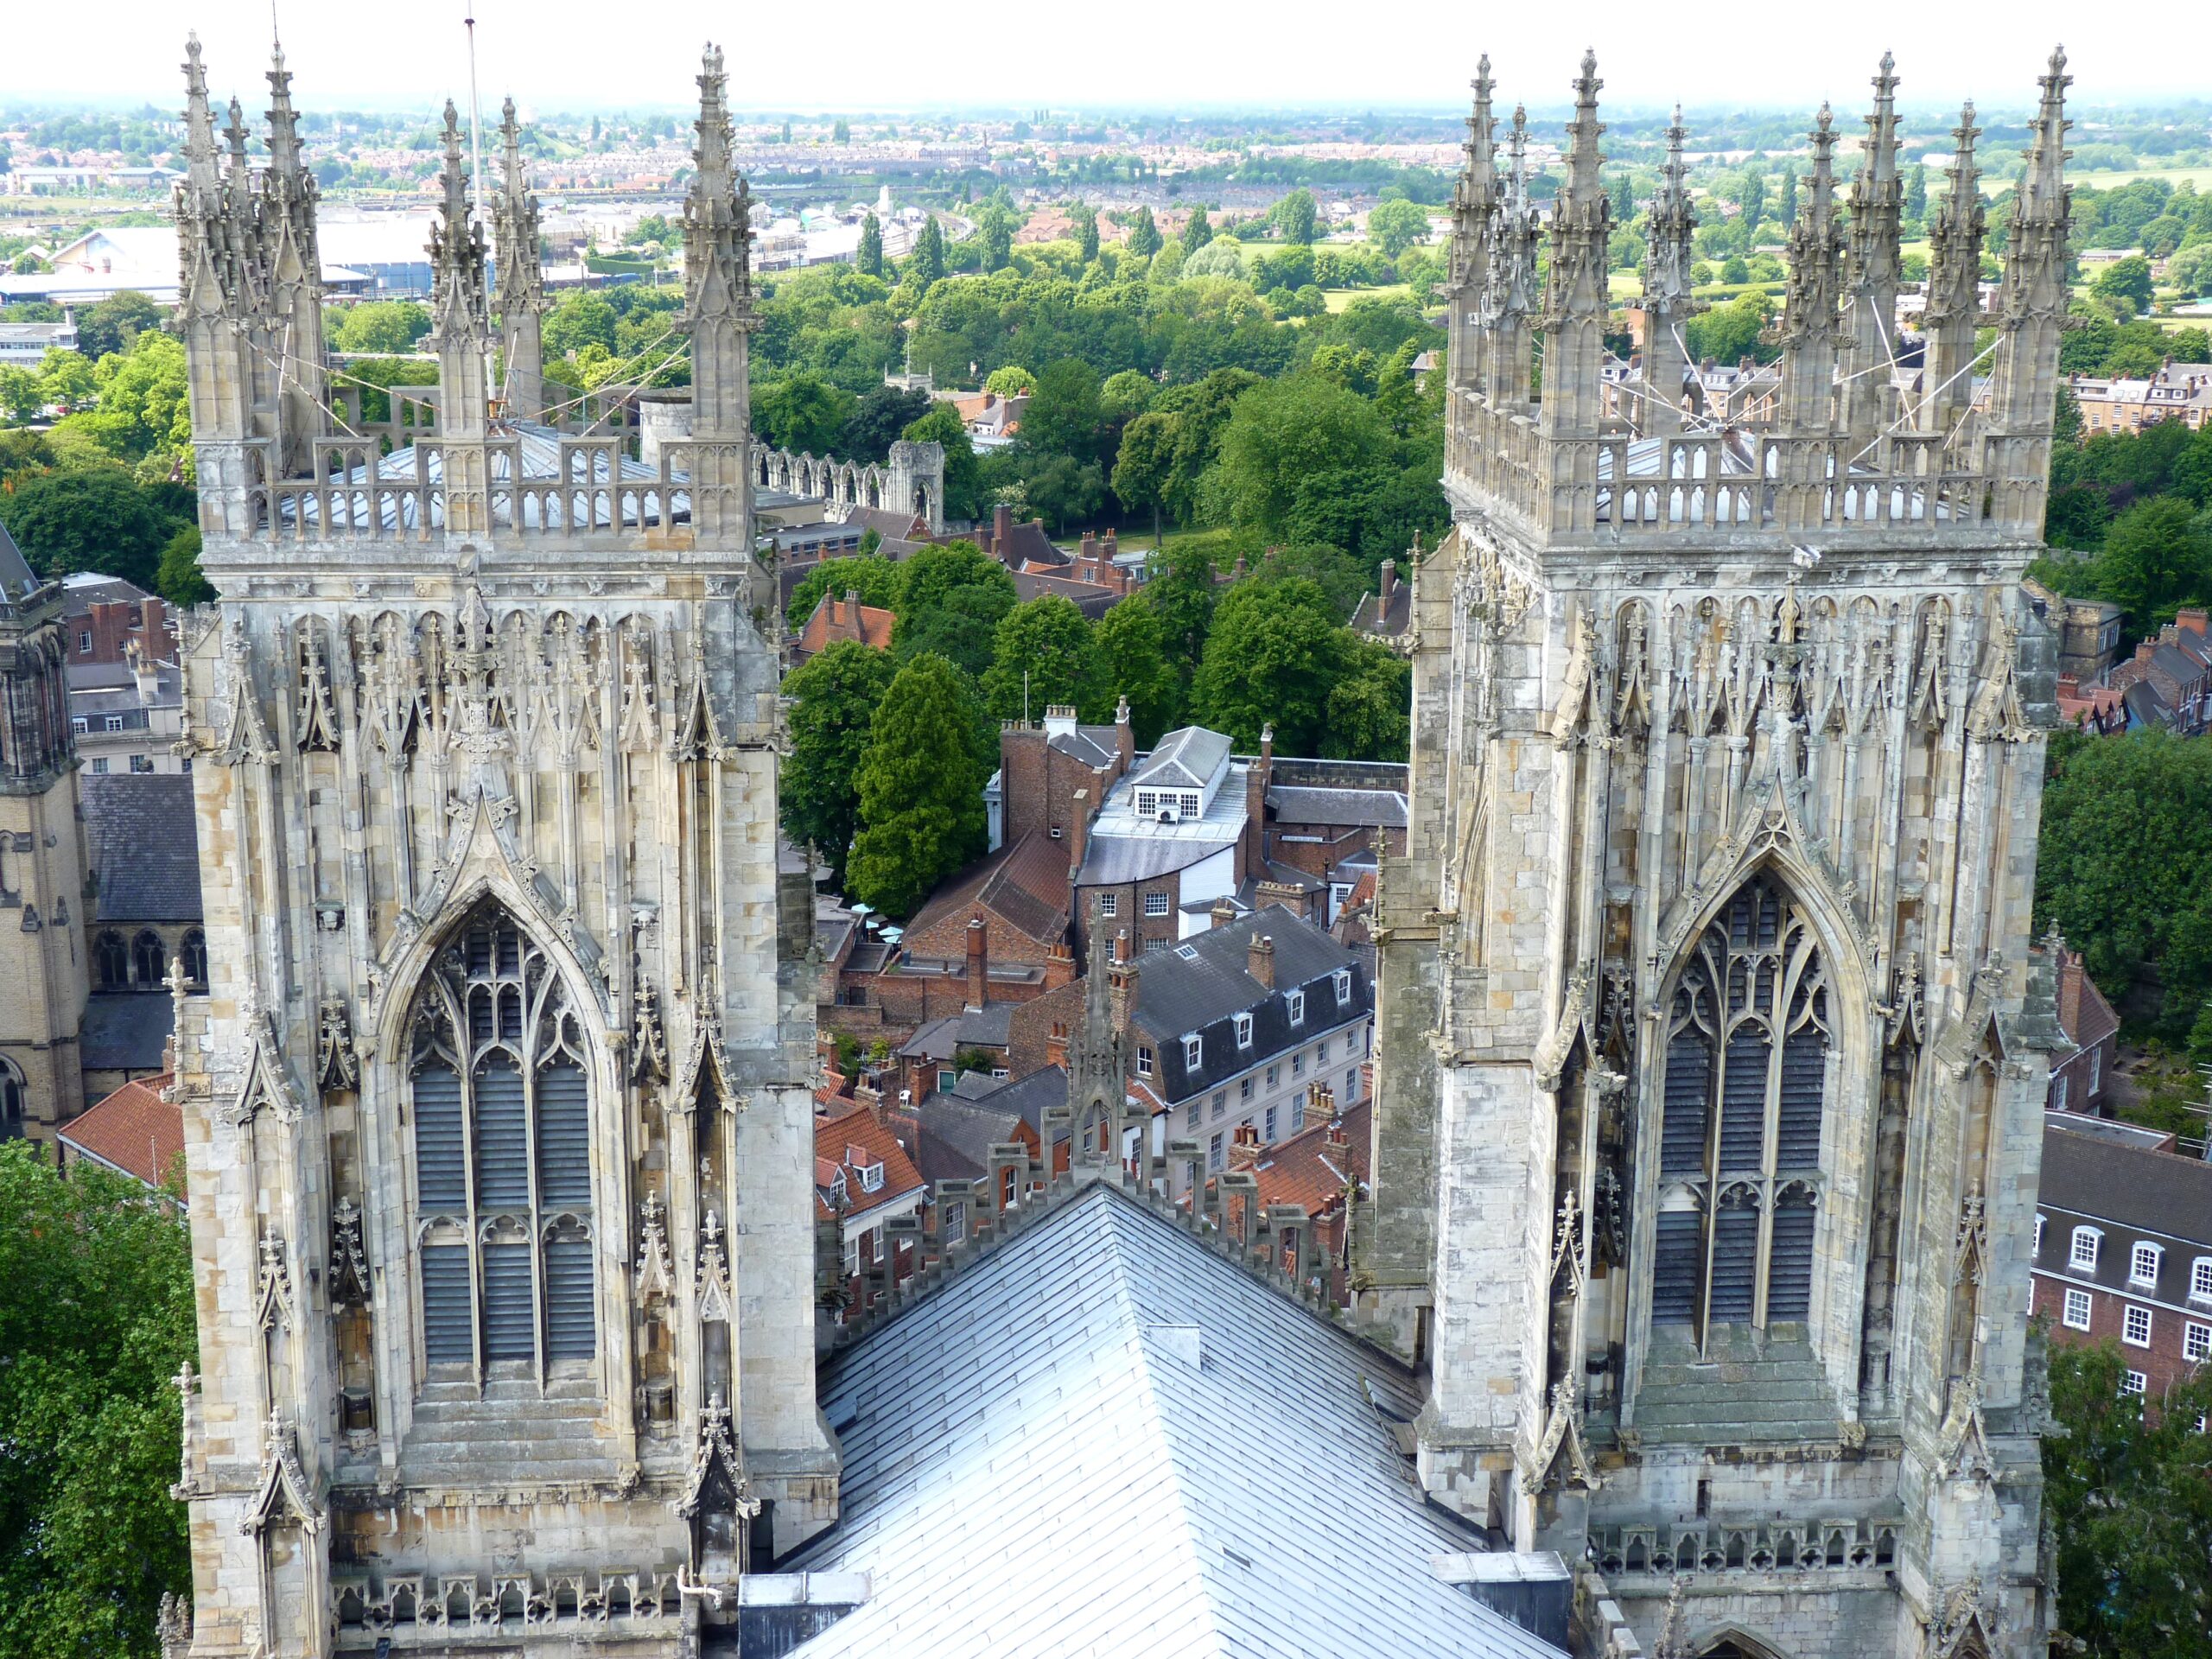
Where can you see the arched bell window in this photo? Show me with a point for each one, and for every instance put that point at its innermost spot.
(146, 963)
(111, 962)
(193, 953)
(502, 1148)
(1739, 1138)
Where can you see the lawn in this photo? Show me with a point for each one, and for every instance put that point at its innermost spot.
(1338, 298)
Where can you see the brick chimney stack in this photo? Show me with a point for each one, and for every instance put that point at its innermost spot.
(1260, 960)
(1244, 1147)
(1002, 527)
(1059, 967)
(1122, 983)
(1256, 776)
(979, 962)
(1389, 582)
(1223, 913)
(1056, 1050)
(1125, 734)
(1076, 831)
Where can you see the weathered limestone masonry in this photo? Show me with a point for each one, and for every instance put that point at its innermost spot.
(1707, 1138)
(44, 890)
(499, 1138)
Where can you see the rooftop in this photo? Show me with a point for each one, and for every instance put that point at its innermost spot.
(1103, 1364)
(134, 1131)
(144, 843)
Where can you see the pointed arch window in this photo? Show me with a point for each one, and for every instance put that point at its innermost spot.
(1744, 1104)
(501, 1115)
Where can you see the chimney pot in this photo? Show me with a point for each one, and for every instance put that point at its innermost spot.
(1260, 960)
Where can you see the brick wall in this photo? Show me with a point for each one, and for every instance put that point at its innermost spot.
(2162, 1363)
(113, 624)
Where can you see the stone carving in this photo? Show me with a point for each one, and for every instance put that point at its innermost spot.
(711, 1280)
(335, 1068)
(717, 1454)
(656, 1271)
(648, 1040)
(245, 733)
(283, 1490)
(317, 719)
(349, 1268)
(1549, 1061)
(272, 1285)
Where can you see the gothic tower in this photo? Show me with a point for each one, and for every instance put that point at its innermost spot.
(1714, 1049)
(43, 887)
(497, 1124)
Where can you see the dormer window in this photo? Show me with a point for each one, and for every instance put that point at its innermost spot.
(2082, 1258)
(2142, 1264)
(1189, 804)
(872, 1178)
(1243, 1031)
(2199, 1280)
(1297, 1001)
(1193, 1052)
(1343, 986)
(1144, 1061)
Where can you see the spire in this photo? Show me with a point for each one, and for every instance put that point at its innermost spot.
(459, 311)
(2033, 308)
(1508, 292)
(1669, 224)
(718, 277)
(1575, 301)
(202, 161)
(522, 279)
(1953, 288)
(1808, 316)
(284, 124)
(1474, 207)
(1877, 205)
(1584, 131)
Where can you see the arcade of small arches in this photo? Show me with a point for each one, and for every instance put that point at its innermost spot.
(841, 483)
(142, 961)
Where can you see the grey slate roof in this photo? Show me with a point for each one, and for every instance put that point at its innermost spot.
(1095, 746)
(1294, 805)
(1113, 861)
(1186, 758)
(15, 577)
(2155, 1193)
(957, 1135)
(125, 1030)
(1101, 1439)
(145, 846)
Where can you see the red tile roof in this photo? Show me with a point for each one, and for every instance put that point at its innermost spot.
(874, 627)
(1309, 1170)
(849, 1142)
(1024, 884)
(133, 1130)
(2083, 1014)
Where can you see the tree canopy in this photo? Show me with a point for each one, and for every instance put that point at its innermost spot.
(1043, 654)
(96, 1318)
(834, 697)
(920, 787)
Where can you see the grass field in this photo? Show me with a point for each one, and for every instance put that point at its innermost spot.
(1338, 298)
(2200, 176)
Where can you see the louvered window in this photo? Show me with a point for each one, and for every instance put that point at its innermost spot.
(503, 1186)
(1744, 1104)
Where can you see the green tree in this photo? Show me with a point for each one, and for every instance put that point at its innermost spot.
(1133, 665)
(96, 1316)
(1061, 489)
(1273, 654)
(929, 580)
(2125, 1493)
(802, 412)
(1789, 209)
(994, 227)
(1064, 417)
(1126, 395)
(177, 578)
(2124, 284)
(114, 323)
(1395, 226)
(1182, 589)
(2157, 558)
(89, 518)
(386, 326)
(1042, 653)
(66, 377)
(2124, 870)
(877, 421)
(834, 697)
(869, 257)
(23, 394)
(1371, 705)
(962, 485)
(1751, 193)
(1298, 215)
(578, 320)
(1010, 380)
(1198, 231)
(877, 581)
(1283, 431)
(925, 264)
(1916, 192)
(843, 131)
(1144, 235)
(920, 787)
(1145, 464)
(1086, 231)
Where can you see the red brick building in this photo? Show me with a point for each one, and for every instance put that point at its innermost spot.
(862, 1178)
(2079, 1080)
(835, 618)
(2123, 1246)
(105, 615)
(1315, 1169)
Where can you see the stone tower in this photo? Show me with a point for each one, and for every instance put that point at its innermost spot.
(43, 888)
(499, 1139)
(1715, 1046)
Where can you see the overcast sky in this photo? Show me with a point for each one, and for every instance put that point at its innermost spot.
(1189, 54)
